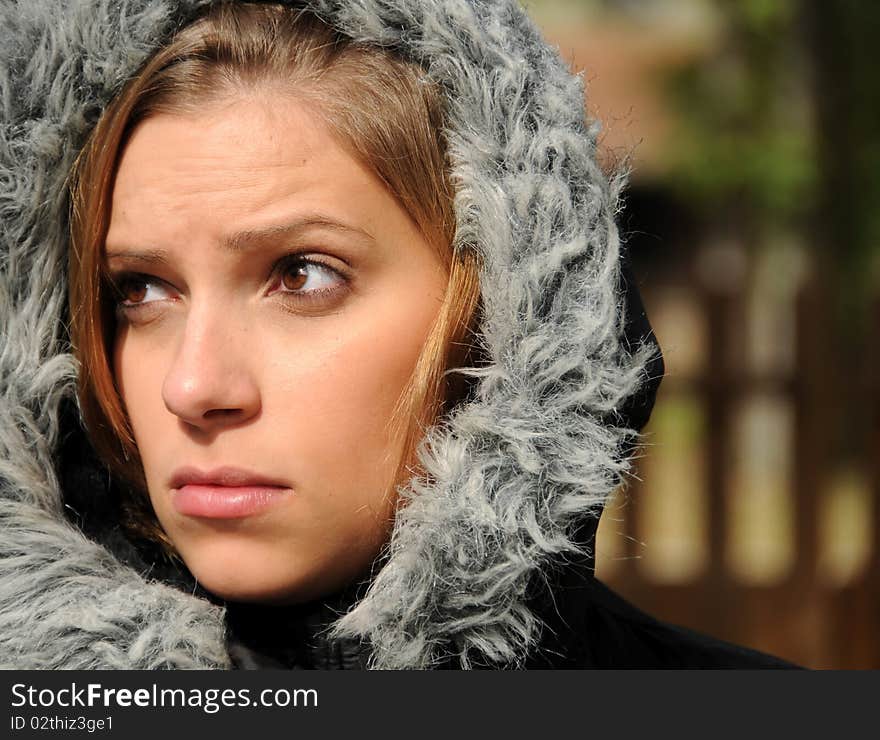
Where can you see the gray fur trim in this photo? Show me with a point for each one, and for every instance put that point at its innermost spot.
(512, 472)
(67, 603)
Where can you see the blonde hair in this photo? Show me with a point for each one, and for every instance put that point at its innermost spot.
(230, 50)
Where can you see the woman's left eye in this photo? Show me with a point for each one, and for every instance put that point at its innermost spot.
(309, 278)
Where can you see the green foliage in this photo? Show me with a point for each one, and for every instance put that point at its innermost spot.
(770, 171)
(745, 135)
(764, 16)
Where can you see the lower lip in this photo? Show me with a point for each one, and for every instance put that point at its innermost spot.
(226, 502)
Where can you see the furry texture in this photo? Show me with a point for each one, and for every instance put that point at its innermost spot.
(515, 470)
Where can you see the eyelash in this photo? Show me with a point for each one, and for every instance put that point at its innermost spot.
(288, 262)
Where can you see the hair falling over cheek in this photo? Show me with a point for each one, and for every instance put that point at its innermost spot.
(436, 386)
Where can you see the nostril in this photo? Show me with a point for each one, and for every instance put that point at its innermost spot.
(221, 412)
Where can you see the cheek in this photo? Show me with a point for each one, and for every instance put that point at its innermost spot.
(341, 402)
(139, 368)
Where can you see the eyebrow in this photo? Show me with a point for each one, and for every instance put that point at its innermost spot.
(244, 241)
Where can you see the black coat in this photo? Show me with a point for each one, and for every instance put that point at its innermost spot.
(599, 630)
(591, 627)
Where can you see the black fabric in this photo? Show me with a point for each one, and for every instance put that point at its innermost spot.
(294, 637)
(587, 625)
(638, 331)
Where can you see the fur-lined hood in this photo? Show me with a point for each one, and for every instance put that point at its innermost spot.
(519, 469)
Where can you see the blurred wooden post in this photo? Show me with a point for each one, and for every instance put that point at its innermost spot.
(871, 587)
(804, 600)
(720, 397)
(856, 606)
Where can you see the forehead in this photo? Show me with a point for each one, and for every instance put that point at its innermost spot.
(242, 162)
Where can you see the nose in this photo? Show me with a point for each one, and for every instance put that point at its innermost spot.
(211, 382)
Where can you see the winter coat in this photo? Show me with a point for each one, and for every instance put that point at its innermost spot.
(572, 373)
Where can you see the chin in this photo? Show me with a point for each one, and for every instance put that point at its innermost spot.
(249, 576)
(236, 566)
(258, 588)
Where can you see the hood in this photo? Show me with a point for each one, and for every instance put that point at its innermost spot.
(520, 472)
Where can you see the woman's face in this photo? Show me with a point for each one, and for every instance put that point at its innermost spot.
(275, 298)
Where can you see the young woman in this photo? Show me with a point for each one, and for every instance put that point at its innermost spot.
(345, 369)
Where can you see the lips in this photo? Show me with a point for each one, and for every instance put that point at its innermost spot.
(224, 493)
(224, 476)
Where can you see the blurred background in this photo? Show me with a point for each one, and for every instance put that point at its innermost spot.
(753, 220)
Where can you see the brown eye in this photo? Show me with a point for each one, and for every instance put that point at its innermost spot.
(309, 278)
(132, 290)
(294, 277)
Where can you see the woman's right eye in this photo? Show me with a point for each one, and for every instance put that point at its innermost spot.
(133, 291)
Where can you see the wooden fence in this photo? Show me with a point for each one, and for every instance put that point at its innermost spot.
(801, 615)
